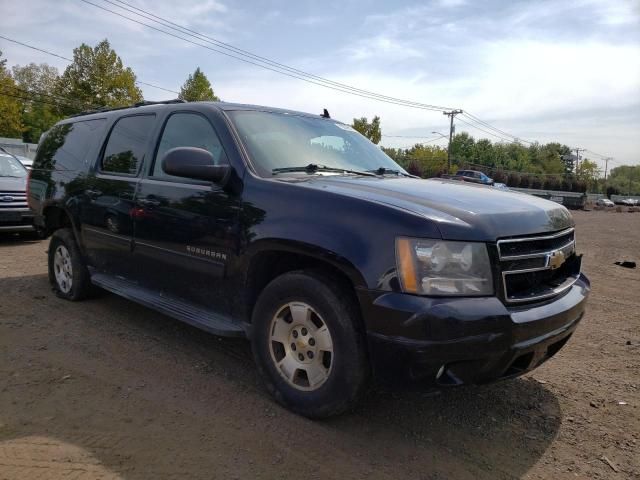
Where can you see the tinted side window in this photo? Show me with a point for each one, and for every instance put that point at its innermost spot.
(188, 130)
(127, 144)
(65, 146)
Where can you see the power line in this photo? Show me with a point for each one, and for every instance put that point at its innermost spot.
(487, 131)
(36, 48)
(200, 36)
(155, 86)
(71, 60)
(29, 99)
(475, 119)
(55, 97)
(346, 89)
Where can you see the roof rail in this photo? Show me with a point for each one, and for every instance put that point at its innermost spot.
(138, 104)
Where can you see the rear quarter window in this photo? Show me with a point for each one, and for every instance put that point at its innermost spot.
(127, 144)
(66, 145)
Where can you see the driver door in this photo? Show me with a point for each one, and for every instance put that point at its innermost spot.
(185, 230)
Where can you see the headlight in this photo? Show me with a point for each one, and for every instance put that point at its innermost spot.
(440, 268)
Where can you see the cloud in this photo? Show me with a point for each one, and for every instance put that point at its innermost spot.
(548, 70)
(312, 20)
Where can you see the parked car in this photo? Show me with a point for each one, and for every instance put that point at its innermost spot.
(629, 202)
(15, 215)
(27, 162)
(605, 202)
(473, 176)
(296, 232)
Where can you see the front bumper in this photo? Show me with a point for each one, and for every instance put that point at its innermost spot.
(449, 341)
(16, 220)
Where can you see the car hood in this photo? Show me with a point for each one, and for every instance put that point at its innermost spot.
(462, 211)
(13, 184)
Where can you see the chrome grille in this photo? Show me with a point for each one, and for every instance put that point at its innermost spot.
(13, 199)
(538, 267)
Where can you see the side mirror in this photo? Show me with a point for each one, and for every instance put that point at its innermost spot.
(196, 163)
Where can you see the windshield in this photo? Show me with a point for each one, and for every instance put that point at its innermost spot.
(10, 167)
(280, 140)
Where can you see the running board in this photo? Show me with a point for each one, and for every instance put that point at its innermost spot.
(179, 309)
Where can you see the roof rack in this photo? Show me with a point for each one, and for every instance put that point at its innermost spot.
(138, 104)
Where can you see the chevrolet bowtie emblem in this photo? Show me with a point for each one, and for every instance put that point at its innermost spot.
(555, 259)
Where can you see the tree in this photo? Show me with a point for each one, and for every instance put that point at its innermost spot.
(97, 78)
(10, 104)
(625, 179)
(462, 148)
(39, 83)
(197, 88)
(430, 160)
(588, 172)
(370, 130)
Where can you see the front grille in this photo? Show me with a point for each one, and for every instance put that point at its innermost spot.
(539, 267)
(13, 199)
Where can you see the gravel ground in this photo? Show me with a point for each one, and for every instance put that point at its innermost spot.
(108, 389)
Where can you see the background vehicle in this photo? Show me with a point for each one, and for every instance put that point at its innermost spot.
(26, 162)
(15, 215)
(295, 231)
(629, 202)
(604, 202)
(473, 176)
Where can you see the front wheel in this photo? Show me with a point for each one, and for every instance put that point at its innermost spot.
(308, 346)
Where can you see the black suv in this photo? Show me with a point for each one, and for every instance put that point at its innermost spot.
(295, 231)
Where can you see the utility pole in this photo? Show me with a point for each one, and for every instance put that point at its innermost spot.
(578, 150)
(606, 167)
(450, 114)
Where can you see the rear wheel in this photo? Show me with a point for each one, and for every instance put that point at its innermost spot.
(307, 345)
(68, 274)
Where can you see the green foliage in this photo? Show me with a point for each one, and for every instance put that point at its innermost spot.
(97, 78)
(625, 179)
(588, 172)
(10, 106)
(197, 88)
(370, 130)
(38, 82)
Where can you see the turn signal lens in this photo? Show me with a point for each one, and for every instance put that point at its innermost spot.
(407, 264)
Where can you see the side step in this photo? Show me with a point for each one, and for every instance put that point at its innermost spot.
(197, 316)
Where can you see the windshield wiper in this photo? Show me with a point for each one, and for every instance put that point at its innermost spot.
(313, 168)
(390, 171)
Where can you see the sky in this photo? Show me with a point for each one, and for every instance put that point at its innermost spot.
(548, 70)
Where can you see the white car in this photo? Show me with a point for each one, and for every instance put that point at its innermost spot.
(605, 202)
(27, 162)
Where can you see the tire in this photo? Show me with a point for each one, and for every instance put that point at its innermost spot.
(68, 273)
(316, 378)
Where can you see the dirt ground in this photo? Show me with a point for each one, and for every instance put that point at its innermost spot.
(108, 389)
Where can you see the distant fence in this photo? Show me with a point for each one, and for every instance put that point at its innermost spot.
(568, 199)
(572, 199)
(18, 147)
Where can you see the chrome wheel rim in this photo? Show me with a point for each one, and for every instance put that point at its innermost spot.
(301, 346)
(62, 269)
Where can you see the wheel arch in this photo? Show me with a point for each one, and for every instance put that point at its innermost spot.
(271, 259)
(56, 217)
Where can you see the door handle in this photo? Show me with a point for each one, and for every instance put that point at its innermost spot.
(93, 193)
(148, 202)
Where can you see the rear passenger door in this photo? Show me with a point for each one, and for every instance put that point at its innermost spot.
(185, 230)
(108, 199)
